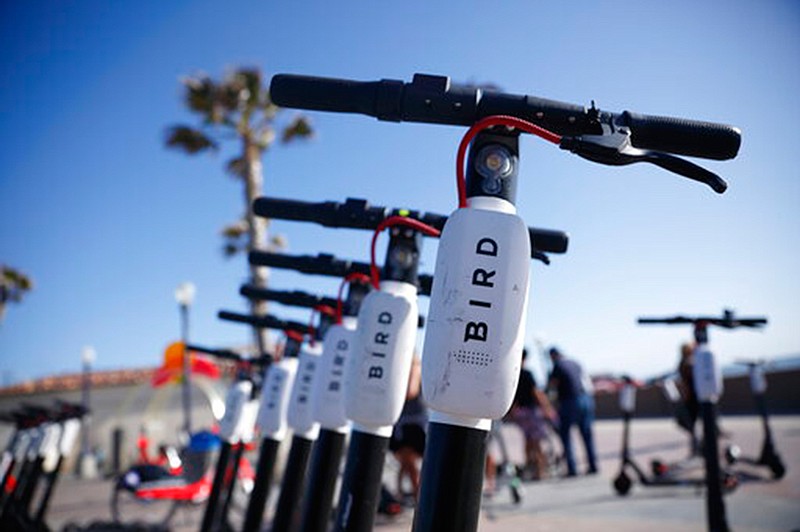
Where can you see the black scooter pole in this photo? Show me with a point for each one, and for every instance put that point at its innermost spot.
(715, 504)
(329, 448)
(451, 480)
(267, 458)
(361, 485)
(212, 516)
(287, 512)
(321, 486)
(230, 486)
(52, 480)
(306, 430)
(708, 388)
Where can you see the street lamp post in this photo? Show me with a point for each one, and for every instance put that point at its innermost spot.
(88, 467)
(184, 295)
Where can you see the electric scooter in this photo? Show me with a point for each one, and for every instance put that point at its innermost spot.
(769, 456)
(473, 345)
(707, 380)
(623, 482)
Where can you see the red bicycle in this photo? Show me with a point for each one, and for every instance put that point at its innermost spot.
(151, 492)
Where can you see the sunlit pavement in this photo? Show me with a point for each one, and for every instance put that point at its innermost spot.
(583, 503)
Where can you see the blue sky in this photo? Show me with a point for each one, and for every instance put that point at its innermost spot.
(108, 223)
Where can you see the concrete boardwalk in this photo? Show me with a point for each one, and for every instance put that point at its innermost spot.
(583, 503)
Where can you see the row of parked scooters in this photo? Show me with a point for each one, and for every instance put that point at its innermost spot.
(42, 439)
(355, 384)
(351, 384)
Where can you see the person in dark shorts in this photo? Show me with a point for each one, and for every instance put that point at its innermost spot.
(685, 385)
(575, 407)
(530, 411)
(408, 437)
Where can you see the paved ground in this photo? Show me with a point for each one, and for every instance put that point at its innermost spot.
(584, 503)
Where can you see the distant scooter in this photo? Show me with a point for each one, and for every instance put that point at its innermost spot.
(769, 456)
(707, 382)
(623, 481)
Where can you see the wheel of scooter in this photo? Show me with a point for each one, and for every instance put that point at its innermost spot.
(622, 484)
(732, 454)
(776, 466)
(127, 508)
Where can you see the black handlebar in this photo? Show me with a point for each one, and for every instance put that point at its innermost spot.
(296, 298)
(267, 321)
(359, 214)
(727, 321)
(227, 354)
(324, 264)
(435, 99)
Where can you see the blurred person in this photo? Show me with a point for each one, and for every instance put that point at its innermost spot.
(530, 410)
(685, 385)
(688, 393)
(575, 407)
(408, 437)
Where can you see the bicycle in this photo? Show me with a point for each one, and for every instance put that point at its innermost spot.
(151, 493)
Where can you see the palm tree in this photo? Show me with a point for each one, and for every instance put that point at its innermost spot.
(13, 286)
(238, 108)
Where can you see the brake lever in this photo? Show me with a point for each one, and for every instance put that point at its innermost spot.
(615, 149)
(540, 256)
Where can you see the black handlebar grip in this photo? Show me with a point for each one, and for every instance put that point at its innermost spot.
(274, 260)
(684, 137)
(226, 354)
(295, 298)
(266, 321)
(322, 264)
(325, 94)
(286, 209)
(548, 240)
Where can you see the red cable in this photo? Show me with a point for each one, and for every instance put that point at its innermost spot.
(294, 335)
(319, 309)
(485, 123)
(325, 309)
(349, 278)
(312, 332)
(390, 222)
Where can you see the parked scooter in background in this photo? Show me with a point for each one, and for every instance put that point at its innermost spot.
(769, 456)
(623, 482)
